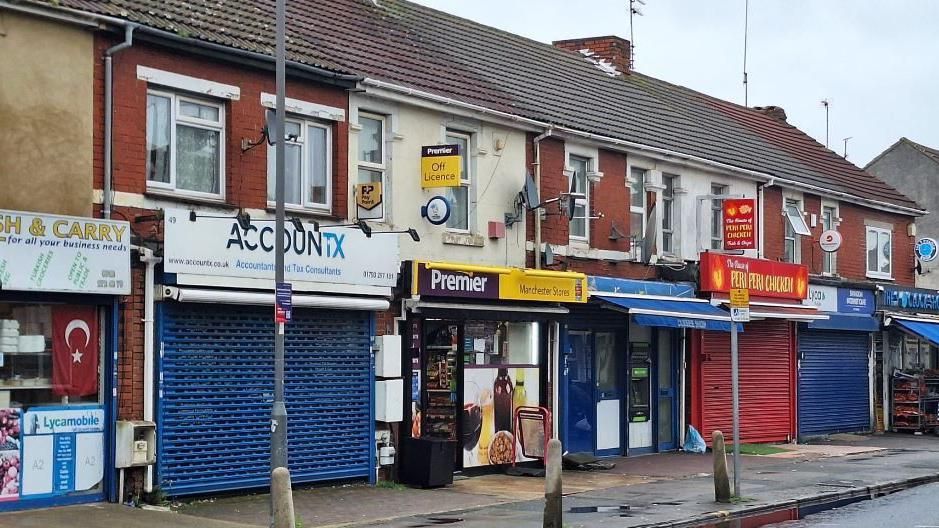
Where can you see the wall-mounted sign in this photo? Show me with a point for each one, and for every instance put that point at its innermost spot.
(62, 450)
(894, 298)
(739, 298)
(40, 252)
(739, 223)
(437, 210)
(830, 241)
(498, 283)
(283, 302)
(764, 278)
(441, 166)
(369, 202)
(926, 249)
(220, 247)
(740, 314)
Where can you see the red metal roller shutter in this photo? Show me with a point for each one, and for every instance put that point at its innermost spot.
(766, 382)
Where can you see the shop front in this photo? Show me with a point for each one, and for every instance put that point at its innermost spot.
(216, 336)
(835, 362)
(60, 278)
(482, 343)
(622, 365)
(767, 349)
(907, 359)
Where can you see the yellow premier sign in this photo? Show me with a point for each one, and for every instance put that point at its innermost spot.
(368, 195)
(739, 298)
(544, 286)
(441, 166)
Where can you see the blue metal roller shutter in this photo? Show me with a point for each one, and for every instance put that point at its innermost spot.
(834, 392)
(216, 388)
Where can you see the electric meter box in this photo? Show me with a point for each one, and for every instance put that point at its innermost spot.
(388, 356)
(134, 443)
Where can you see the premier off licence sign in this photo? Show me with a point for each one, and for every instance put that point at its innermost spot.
(441, 166)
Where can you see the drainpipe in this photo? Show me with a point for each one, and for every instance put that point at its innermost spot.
(761, 205)
(537, 142)
(108, 110)
(147, 257)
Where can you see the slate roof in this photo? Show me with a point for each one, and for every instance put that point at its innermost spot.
(418, 47)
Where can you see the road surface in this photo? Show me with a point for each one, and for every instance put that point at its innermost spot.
(913, 508)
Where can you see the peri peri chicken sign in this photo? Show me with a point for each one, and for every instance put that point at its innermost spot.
(739, 224)
(764, 278)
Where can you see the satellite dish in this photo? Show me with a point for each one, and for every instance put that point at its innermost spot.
(566, 203)
(270, 117)
(648, 240)
(530, 192)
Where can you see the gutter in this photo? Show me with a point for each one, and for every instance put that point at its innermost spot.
(632, 146)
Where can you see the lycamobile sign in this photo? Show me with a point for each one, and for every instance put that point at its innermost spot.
(334, 255)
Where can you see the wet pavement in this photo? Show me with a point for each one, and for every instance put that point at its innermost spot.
(914, 508)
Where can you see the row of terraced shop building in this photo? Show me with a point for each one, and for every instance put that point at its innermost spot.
(576, 261)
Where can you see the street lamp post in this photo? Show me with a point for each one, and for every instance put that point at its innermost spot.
(279, 409)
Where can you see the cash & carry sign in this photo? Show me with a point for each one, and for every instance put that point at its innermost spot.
(40, 252)
(764, 278)
(335, 255)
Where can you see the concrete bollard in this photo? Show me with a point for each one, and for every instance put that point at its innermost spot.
(282, 515)
(721, 479)
(552, 485)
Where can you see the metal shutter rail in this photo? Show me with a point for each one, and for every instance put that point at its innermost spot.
(834, 391)
(216, 389)
(765, 383)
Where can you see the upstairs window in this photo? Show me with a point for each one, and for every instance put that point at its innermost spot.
(717, 216)
(795, 227)
(668, 213)
(460, 196)
(372, 156)
(829, 222)
(580, 193)
(307, 182)
(879, 253)
(185, 138)
(637, 204)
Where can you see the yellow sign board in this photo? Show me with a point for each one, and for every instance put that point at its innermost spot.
(524, 287)
(739, 298)
(441, 166)
(368, 195)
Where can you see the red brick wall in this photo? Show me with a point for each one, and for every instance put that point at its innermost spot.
(245, 173)
(610, 197)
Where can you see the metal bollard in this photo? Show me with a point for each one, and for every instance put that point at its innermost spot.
(721, 480)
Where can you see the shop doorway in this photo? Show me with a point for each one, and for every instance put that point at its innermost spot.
(595, 394)
(667, 394)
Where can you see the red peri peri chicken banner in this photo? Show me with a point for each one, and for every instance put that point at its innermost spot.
(763, 278)
(739, 224)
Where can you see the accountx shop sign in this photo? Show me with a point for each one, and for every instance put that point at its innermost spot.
(221, 247)
(432, 279)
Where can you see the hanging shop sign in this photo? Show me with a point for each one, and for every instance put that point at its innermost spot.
(841, 300)
(764, 278)
(437, 210)
(220, 247)
(283, 302)
(52, 253)
(830, 241)
(441, 166)
(739, 223)
(369, 202)
(926, 249)
(917, 300)
(481, 282)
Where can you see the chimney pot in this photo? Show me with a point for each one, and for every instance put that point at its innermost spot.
(612, 49)
(776, 112)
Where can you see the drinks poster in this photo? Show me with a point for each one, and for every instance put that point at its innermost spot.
(490, 397)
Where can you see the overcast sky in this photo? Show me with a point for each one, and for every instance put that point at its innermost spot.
(877, 62)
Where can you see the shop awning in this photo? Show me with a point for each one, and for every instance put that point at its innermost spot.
(928, 330)
(851, 322)
(671, 312)
(791, 311)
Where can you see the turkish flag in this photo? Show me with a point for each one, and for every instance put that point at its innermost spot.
(75, 350)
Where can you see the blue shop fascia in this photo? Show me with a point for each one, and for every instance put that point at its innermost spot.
(907, 358)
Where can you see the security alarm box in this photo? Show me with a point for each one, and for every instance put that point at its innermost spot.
(135, 443)
(388, 356)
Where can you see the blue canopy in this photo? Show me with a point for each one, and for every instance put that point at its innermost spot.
(927, 330)
(845, 321)
(672, 313)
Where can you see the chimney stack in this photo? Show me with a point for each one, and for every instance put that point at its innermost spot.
(776, 112)
(612, 49)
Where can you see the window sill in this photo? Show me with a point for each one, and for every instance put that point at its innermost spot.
(301, 211)
(463, 239)
(878, 276)
(186, 197)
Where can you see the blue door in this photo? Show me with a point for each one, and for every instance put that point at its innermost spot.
(580, 415)
(666, 416)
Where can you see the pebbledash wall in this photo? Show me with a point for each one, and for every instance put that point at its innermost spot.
(244, 180)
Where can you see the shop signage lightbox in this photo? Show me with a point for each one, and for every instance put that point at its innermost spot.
(220, 247)
(441, 166)
(909, 300)
(764, 278)
(479, 282)
(40, 252)
(739, 223)
(841, 300)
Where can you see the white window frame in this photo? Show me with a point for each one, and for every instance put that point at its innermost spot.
(876, 274)
(175, 99)
(717, 209)
(466, 176)
(306, 205)
(830, 260)
(643, 180)
(372, 166)
(580, 199)
(675, 180)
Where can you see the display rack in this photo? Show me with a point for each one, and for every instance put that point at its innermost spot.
(916, 401)
(439, 390)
